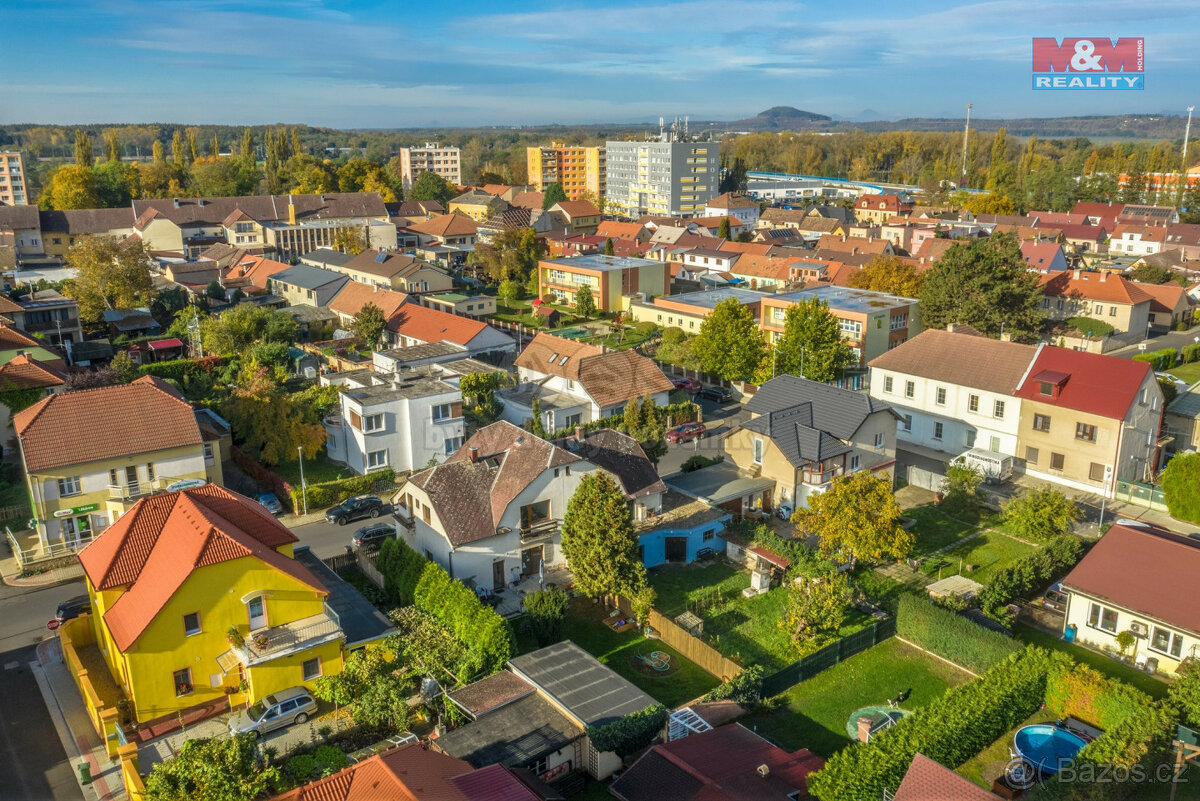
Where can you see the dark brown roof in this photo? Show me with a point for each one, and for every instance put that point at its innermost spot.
(1145, 569)
(959, 358)
(622, 456)
(495, 691)
(13, 218)
(94, 424)
(385, 265)
(926, 780)
(79, 222)
(263, 208)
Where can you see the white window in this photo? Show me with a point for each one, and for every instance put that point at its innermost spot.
(941, 396)
(311, 668)
(1167, 642)
(910, 389)
(854, 461)
(852, 328)
(454, 443)
(256, 609)
(69, 486)
(998, 409)
(879, 440)
(209, 456)
(758, 450)
(377, 459)
(887, 383)
(1102, 618)
(441, 412)
(973, 403)
(373, 422)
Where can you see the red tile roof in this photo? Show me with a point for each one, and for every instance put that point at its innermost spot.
(1102, 286)
(721, 764)
(254, 270)
(619, 230)
(22, 372)
(95, 424)
(1103, 385)
(493, 783)
(446, 225)
(411, 772)
(164, 344)
(927, 780)
(352, 297)
(1146, 569)
(154, 547)
(1042, 255)
(431, 325)
(1091, 233)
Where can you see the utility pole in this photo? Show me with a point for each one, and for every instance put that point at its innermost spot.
(1183, 170)
(966, 134)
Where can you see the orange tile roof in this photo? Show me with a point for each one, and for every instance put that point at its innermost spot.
(154, 547)
(431, 325)
(619, 230)
(1163, 297)
(352, 297)
(95, 424)
(757, 248)
(579, 208)
(7, 306)
(608, 377)
(255, 270)
(12, 337)
(1092, 286)
(22, 372)
(553, 355)
(1149, 233)
(446, 225)
(852, 244)
(411, 772)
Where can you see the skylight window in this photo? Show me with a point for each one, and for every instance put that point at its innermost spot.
(553, 356)
(563, 361)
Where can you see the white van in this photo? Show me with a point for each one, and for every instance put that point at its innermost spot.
(995, 467)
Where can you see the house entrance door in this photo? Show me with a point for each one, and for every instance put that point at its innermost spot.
(498, 575)
(676, 549)
(531, 560)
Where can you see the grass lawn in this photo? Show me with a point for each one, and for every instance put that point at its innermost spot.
(989, 763)
(316, 471)
(1191, 374)
(585, 627)
(935, 530)
(746, 628)
(813, 714)
(1104, 664)
(881, 589)
(990, 551)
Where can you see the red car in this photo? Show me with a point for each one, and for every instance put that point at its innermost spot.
(688, 384)
(685, 432)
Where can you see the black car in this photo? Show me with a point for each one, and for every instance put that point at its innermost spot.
(353, 509)
(716, 394)
(370, 537)
(73, 607)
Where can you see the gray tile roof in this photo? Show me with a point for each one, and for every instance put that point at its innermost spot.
(589, 690)
(838, 411)
(792, 432)
(1187, 404)
(306, 277)
(360, 620)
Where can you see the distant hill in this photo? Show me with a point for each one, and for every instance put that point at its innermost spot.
(776, 118)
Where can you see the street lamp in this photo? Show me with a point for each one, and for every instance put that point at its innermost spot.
(303, 486)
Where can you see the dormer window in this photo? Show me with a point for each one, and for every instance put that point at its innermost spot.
(1045, 388)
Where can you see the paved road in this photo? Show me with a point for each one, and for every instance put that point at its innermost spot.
(1174, 339)
(718, 419)
(33, 764)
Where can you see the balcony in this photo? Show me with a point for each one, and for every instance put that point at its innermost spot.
(128, 492)
(539, 529)
(815, 478)
(290, 638)
(37, 326)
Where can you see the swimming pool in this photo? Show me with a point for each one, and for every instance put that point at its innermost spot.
(1047, 747)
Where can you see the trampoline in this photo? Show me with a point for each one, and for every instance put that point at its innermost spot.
(1047, 747)
(882, 716)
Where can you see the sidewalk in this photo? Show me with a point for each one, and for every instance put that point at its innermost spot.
(74, 728)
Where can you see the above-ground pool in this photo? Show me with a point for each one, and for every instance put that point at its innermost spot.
(882, 716)
(1047, 747)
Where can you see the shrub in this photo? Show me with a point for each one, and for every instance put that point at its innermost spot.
(329, 759)
(1086, 325)
(1161, 359)
(301, 767)
(645, 328)
(950, 730)
(178, 369)
(960, 488)
(1041, 514)
(631, 733)
(696, 462)
(673, 336)
(1184, 694)
(1179, 483)
(1032, 572)
(547, 611)
(321, 496)
(1191, 353)
(745, 688)
(951, 636)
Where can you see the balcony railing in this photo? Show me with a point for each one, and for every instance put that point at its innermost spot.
(820, 479)
(290, 638)
(33, 326)
(542, 528)
(121, 492)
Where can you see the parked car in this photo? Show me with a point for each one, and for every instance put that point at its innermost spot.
(270, 502)
(1180, 384)
(1055, 599)
(73, 607)
(718, 394)
(685, 432)
(372, 536)
(279, 710)
(687, 384)
(357, 508)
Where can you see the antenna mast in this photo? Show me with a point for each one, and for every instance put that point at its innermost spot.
(966, 133)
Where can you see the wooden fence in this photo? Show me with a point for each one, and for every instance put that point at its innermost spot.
(694, 648)
(20, 511)
(809, 666)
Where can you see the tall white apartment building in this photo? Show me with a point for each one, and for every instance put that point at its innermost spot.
(670, 176)
(432, 157)
(12, 180)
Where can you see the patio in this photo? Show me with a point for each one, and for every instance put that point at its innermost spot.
(511, 600)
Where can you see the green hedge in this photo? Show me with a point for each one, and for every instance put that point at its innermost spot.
(677, 413)
(950, 635)
(1086, 325)
(1031, 573)
(1191, 353)
(329, 493)
(179, 368)
(1161, 359)
(629, 734)
(1179, 483)
(951, 730)
(412, 578)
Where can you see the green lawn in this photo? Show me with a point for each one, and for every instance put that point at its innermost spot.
(813, 714)
(989, 551)
(316, 471)
(880, 589)
(739, 627)
(585, 627)
(989, 763)
(1104, 664)
(1191, 374)
(935, 530)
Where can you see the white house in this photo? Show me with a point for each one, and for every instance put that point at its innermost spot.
(1138, 578)
(491, 512)
(576, 383)
(740, 207)
(954, 390)
(400, 421)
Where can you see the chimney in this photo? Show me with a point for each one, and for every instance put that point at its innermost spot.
(1005, 336)
(1103, 275)
(579, 435)
(1076, 274)
(202, 202)
(473, 453)
(175, 200)
(950, 327)
(291, 211)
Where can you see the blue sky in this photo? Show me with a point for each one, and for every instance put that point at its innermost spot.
(413, 64)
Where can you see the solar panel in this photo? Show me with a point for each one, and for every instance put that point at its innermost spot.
(380, 258)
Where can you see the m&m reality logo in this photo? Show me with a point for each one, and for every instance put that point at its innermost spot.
(1095, 62)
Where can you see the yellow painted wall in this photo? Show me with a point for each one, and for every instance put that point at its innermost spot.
(280, 674)
(216, 592)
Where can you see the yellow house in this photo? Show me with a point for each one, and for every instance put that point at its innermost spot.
(90, 455)
(478, 205)
(197, 601)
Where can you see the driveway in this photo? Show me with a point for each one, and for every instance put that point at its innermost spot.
(719, 418)
(282, 740)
